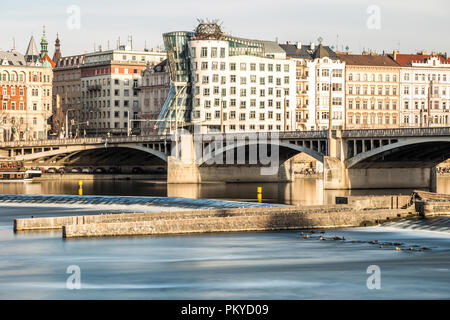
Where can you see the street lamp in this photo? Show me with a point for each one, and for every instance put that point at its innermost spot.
(67, 121)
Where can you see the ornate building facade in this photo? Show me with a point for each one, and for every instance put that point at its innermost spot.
(26, 92)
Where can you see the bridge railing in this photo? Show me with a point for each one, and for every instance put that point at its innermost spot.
(78, 141)
(401, 132)
(319, 134)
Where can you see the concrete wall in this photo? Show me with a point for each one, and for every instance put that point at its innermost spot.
(245, 173)
(379, 202)
(390, 178)
(432, 208)
(233, 224)
(58, 222)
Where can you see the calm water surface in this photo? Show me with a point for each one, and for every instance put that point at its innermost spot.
(260, 265)
(302, 191)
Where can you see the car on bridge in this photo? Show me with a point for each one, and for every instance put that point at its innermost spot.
(137, 170)
(50, 170)
(87, 170)
(159, 170)
(75, 170)
(113, 170)
(99, 170)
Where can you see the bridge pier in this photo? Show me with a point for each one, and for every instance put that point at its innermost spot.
(182, 167)
(337, 177)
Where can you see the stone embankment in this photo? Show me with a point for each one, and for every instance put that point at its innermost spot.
(50, 223)
(430, 204)
(261, 222)
(376, 202)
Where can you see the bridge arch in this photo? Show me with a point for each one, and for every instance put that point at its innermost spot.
(296, 149)
(407, 152)
(80, 148)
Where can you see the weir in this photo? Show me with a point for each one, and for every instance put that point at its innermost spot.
(351, 212)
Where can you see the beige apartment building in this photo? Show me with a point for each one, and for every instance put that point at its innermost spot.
(67, 94)
(372, 99)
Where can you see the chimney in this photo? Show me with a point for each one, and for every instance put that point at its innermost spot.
(299, 45)
(312, 46)
(395, 55)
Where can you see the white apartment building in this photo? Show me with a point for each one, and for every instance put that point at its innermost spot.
(327, 81)
(318, 70)
(241, 92)
(236, 84)
(110, 89)
(424, 89)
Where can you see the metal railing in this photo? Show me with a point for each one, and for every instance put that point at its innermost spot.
(78, 141)
(318, 134)
(403, 132)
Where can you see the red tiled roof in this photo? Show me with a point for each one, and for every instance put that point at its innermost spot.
(367, 60)
(405, 60)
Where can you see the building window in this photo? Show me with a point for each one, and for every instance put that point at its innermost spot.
(204, 52)
(213, 52)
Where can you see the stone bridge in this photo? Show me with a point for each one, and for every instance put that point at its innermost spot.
(374, 158)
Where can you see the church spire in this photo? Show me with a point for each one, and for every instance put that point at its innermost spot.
(32, 54)
(44, 44)
(57, 54)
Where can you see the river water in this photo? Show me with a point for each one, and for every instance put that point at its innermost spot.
(302, 191)
(257, 265)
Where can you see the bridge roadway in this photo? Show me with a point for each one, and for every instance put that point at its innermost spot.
(372, 158)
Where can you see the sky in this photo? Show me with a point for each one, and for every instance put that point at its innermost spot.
(375, 25)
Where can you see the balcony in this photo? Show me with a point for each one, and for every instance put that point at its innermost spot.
(93, 87)
(5, 97)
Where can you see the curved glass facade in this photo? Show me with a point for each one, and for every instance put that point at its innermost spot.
(179, 100)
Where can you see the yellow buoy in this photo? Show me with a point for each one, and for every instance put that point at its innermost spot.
(259, 190)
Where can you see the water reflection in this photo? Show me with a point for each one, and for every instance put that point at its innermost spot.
(305, 191)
